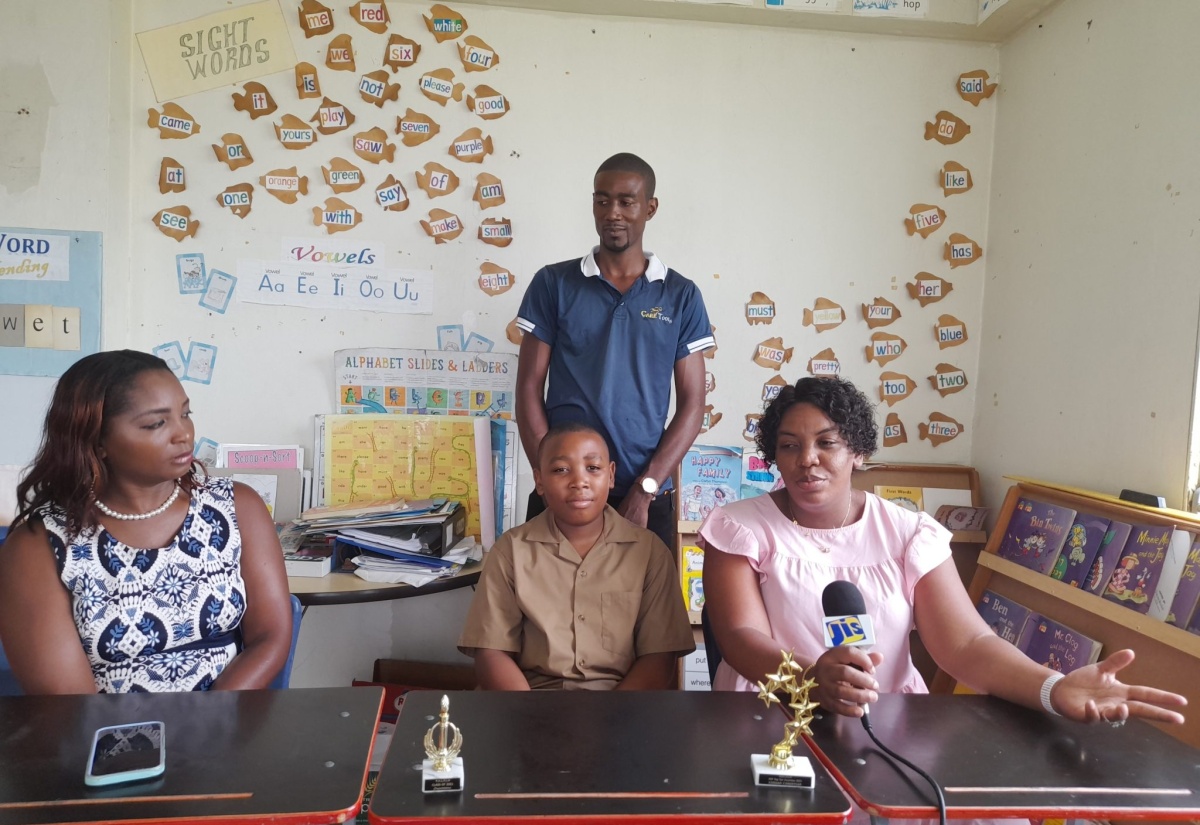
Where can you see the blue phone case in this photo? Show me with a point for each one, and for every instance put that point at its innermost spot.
(126, 753)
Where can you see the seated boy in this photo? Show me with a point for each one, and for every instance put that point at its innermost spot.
(578, 597)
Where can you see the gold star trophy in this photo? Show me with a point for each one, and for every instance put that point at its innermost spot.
(780, 768)
(443, 770)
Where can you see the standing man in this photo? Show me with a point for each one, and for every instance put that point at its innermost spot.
(612, 330)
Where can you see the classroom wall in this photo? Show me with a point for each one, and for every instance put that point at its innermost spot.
(786, 163)
(1090, 320)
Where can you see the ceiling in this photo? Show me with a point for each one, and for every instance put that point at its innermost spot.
(946, 19)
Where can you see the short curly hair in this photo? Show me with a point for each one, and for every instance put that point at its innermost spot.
(845, 405)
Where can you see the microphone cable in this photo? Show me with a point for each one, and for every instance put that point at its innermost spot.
(937, 789)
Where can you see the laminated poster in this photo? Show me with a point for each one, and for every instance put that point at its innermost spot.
(885, 347)
(331, 117)
(439, 86)
(285, 184)
(961, 250)
(946, 129)
(824, 363)
(824, 315)
(173, 122)
(444, 23)
(928, 289)
(772, 354)
(336, 286)
(950, 332)
(494, 279)
(948, 379)
(402, 380)
(893, 431)
(415, 128)
(476, 55)
(974, 86)
(895, 387)
(759, 309)
(880, 313)
(400, 52)
(254, 100)
(339, 55)
(939, 429)
(954, 178)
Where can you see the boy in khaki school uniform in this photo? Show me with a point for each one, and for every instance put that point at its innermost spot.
(578, 597)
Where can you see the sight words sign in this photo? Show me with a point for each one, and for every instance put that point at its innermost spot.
(335, 287)
(227, 47)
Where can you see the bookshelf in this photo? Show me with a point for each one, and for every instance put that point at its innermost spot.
(964, 545)
(1167, 657)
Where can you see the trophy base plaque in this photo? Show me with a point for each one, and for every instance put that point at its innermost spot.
(799, 775)
(450, 781)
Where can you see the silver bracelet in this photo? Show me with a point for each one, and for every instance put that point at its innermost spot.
(1048, 686)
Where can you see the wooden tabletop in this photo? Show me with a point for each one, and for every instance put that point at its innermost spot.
(284, 756)
(597, 757)
(996, 759)
(346, 588)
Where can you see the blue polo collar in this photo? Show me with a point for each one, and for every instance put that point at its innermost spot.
(656, 270)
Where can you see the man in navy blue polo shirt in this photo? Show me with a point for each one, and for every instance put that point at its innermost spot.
(613, 330)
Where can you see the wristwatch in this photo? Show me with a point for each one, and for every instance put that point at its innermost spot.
(650, 486)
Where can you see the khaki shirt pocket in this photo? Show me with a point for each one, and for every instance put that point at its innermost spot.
(618, 617)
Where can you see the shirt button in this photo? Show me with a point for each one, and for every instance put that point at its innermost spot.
(583, 574)
(581, 617)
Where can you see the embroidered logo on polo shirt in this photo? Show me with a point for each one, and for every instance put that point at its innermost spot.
(655, 314)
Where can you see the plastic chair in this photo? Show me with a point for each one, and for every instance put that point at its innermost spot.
(711, 652)
(284, 677)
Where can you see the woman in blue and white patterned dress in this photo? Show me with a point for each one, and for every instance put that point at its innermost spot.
(127, 568)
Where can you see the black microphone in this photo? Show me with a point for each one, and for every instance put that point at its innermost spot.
(847, 623)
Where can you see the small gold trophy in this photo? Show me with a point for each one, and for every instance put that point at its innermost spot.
(780, 768)
(443, 770)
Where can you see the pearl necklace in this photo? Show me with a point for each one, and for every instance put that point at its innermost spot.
(111, 513)
(824, 548)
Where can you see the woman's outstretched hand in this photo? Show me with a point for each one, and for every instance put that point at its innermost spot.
(1094, 694)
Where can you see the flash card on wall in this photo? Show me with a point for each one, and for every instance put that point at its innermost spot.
(189, 268)
(201, 360)
(450, 337)
(219, 291)
(172, 353)
(206, 452)
(477, 343)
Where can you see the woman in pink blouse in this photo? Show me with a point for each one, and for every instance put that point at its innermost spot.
(769, 558)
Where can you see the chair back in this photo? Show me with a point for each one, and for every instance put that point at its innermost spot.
(284, 677)
(8, 682)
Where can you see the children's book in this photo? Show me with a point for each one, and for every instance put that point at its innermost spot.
(1036, 533)
(691, 576)
(1187, 595)
(1172, 570)
(1004, 616)
(709, 477)
(758, 477)
(1056, 646)
(910, 498)
(1111, 549)
(1136, 573)
(1080, 549)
